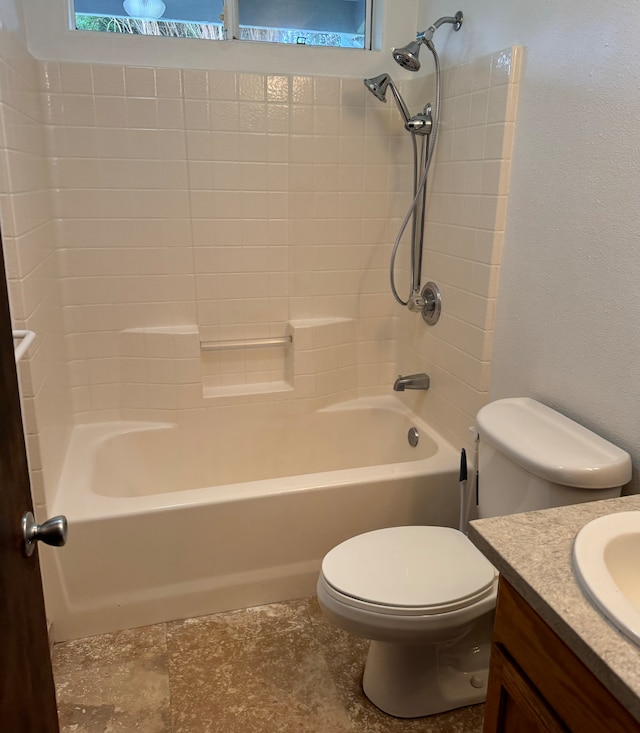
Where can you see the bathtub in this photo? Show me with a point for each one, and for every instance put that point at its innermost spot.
(231, 507)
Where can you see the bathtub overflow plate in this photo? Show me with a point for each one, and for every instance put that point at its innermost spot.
(413, 436)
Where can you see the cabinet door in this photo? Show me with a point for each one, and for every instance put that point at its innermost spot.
(536, 683)
(513, 704)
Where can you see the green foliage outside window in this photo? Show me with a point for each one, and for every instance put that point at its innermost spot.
(210, 31)
(173, 29)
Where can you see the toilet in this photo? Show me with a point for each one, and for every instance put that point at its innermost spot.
(425, 596)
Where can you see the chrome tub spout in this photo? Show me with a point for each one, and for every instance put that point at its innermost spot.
(411, 381)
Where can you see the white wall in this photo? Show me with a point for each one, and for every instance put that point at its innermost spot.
(568, 309)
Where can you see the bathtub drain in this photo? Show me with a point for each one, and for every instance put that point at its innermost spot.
(413, 436)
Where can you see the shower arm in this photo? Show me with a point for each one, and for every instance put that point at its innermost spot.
(404, 111)
(427, 34)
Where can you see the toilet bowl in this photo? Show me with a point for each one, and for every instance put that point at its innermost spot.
(425, 596)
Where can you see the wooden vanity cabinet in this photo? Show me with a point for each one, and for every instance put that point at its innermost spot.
(538, 685)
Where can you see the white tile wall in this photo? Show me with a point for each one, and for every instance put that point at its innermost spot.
(232, 206)
(234, 202)
(29, 239)
(466, 218)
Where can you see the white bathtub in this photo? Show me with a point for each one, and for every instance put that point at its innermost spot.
(232, 508)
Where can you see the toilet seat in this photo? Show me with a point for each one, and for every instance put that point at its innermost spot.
(408, 571)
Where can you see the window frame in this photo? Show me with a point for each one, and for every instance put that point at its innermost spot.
(231, 26)
(49, 37)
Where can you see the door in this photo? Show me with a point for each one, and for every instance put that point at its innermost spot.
(27, 695)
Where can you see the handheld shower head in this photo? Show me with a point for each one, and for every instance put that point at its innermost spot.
(378, 87)
(407, 56)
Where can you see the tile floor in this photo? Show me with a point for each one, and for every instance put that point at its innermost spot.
(270, 669)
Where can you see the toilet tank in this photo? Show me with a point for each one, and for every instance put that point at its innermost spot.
(532, 457)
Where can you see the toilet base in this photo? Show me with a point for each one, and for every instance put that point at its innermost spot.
(412, 681)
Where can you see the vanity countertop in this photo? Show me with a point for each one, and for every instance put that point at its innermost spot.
(533, 552)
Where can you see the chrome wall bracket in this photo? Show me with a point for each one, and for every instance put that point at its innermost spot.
(432, 307)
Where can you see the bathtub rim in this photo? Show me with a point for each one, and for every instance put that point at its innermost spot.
(79, 503)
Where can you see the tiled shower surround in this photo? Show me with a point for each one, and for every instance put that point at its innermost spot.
(237, 203)
(29, 238)
(194, 206)
(466, 218)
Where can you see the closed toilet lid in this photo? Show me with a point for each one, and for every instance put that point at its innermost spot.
(411, 568)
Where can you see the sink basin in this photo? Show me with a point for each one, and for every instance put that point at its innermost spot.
(606, 560)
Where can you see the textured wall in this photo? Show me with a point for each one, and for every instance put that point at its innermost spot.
(568, 311)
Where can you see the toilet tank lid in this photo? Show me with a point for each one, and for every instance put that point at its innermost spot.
(551, 445)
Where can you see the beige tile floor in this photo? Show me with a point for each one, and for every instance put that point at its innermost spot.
(270, 669)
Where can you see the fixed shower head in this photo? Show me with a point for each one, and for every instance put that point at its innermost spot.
(407, 56)
(378, 87)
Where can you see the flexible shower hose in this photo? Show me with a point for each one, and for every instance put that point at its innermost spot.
(419, 188)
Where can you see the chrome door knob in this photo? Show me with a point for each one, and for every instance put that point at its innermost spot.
(52, 532)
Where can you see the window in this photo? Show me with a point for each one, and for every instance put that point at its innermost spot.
(341, 23)
(178, 18)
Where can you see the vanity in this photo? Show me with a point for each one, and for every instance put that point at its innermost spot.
(556, 663)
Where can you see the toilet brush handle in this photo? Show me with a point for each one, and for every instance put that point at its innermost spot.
(463, 491)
